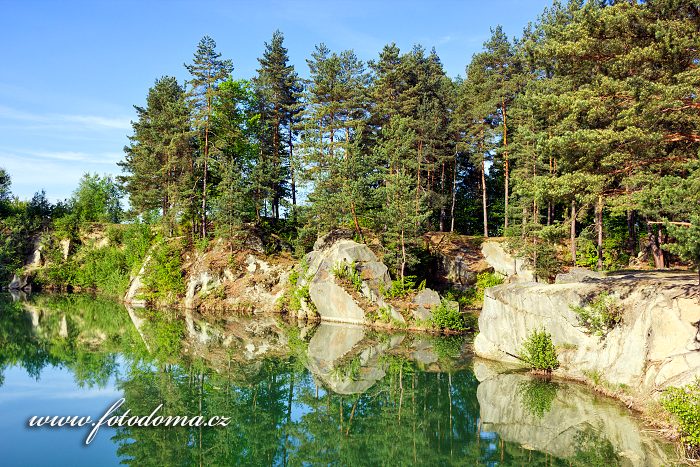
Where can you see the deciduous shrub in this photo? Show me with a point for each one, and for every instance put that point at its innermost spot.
(447, 316)
(684, 404)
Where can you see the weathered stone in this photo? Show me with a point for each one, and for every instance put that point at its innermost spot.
(425, 300)
(578, 275)
(504, 263)
(65, 247)
(332, 301)
(23, 281)
(136, 287)
(647, 351)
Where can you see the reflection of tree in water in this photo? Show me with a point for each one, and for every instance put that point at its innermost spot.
(593, 450)
(278, 413)
(536, 395)
(81, 333)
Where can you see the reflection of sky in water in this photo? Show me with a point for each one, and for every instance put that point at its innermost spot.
(54, 393)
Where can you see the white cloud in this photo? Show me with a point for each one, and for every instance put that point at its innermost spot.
(66, 121)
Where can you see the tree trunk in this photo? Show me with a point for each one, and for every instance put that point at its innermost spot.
(403, 256)
(653, 245)
(483, 197)
(442, 200)
(291, 173)
(505, 164)
(204, 184)
(599, 227)
(573, 232)
(454, 197)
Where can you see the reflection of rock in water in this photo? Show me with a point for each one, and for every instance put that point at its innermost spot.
(565, 420)
(338, 356)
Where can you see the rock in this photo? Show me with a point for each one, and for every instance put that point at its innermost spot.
(425, 300)
(136, 287)
(458, 258)
(23, 281)
(332, 301)
(647, 351)
(200, 284)
(504, 263)
(578, 275)
(65, 247)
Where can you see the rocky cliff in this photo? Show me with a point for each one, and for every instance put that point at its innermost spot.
(655, 345)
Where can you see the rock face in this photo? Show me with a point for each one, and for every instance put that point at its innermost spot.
(459, 258)
(426, 300)
(504, 263)
(564, 420)
(23, 280)
(333, 302)
(243, 281)
(132, 296)
(655, 346)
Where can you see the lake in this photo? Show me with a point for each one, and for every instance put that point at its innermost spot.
(293, 394)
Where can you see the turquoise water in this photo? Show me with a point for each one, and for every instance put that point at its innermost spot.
(294, 395)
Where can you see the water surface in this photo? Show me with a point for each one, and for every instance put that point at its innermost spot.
(296, 394)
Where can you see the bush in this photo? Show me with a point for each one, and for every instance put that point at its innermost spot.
(684, 404)
(473, 297)
(538, 351)
(349, 272)
(600, 315)
(447, 316)
(400, 288)
(163, 277)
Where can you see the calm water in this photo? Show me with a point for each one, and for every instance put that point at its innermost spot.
(295, 395)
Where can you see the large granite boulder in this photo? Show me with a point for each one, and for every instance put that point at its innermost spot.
(425, 301)
(655, 346)
(332, 301)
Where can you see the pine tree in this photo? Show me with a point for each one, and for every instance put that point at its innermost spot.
(208, 70)
(336, 111)
(158, 158)
(402, 223)
(279, 90)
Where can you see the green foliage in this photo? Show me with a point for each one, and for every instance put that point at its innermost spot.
(473, 297)
(684, 404)
(593, 449)
(687, 242)
(601, 314)
(400, 288)
(538, 351)
(163, 277)
(97, 199)
(106, 269)
(448, 316)
(536, 395)
(349, 272)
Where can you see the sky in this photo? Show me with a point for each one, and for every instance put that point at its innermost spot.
(73, 70)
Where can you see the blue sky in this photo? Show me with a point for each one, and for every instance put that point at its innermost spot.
(72, 70)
